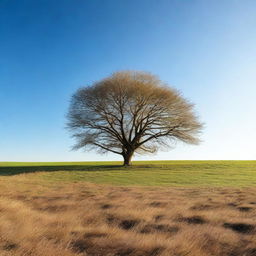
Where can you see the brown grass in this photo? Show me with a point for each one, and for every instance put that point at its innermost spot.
(97, 220)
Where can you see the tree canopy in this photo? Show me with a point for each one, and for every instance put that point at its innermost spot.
(131, 112)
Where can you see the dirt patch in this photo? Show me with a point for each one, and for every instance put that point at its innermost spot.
(20, 197)
(155, 251)
(239, 227)
(232, 204)
(128, 224)
(245, 209)
(111, 219)
(192, 220)
(116, 249)
(10, 246)
(54, 208)
(80, 245)
(250, 252)
(202, 207)
(158, 217)
(151, 228)
(158, 204)
(106, 206)
(125, 252)
(133, 252)
(242, 251)
(122, 223)
(94, 235)
(56, 198)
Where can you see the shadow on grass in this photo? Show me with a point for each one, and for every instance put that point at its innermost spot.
(14, 170)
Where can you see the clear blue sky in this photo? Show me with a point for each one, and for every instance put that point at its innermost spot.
(49, 48)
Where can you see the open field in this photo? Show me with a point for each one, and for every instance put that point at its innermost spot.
(154, 173)
(183, 208)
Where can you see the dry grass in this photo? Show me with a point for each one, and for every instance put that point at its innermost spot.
(97, 220)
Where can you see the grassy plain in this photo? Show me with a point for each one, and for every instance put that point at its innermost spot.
(154, 173)
(165, 208)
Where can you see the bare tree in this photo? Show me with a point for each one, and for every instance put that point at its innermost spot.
(131, 112)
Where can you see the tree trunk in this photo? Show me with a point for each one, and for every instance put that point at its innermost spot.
(127, 159)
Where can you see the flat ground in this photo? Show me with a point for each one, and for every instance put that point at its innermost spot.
(174, 208)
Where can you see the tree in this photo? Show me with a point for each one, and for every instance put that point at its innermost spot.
(131, 112)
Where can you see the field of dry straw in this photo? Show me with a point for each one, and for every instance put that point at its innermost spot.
(102, 220)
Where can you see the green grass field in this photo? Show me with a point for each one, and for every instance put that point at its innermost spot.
(146, 173)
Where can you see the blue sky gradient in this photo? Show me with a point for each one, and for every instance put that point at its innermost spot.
(49, 48)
